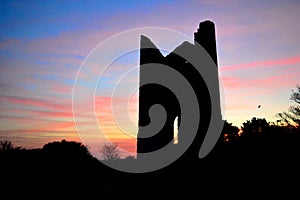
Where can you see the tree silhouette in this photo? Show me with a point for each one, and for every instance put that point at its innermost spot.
(110, 152)
(7, 146)
(255, 126)
(292, 116)
(230, 132)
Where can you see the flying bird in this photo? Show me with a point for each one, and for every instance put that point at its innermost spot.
(259, 106)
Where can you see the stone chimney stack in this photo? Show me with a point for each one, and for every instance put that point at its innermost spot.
(206, 37)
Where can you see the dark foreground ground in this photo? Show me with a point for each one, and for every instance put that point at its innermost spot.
(263, 176)
(258, 165)
(246, 179)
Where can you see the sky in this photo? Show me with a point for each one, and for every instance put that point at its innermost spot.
(43, 44)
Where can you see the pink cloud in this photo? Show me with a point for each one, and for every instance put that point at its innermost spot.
(35, 102)
(268, 63)
(56, 126)
(58, 88)
(269, 83)
(53, 114)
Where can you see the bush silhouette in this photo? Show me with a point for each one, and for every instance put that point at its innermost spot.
(63, 150)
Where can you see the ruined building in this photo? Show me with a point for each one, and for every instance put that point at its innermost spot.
(151, 94)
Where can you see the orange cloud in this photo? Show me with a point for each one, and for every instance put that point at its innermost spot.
(126, 144)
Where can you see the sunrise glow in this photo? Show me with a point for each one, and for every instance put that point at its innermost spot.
(43, 45)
